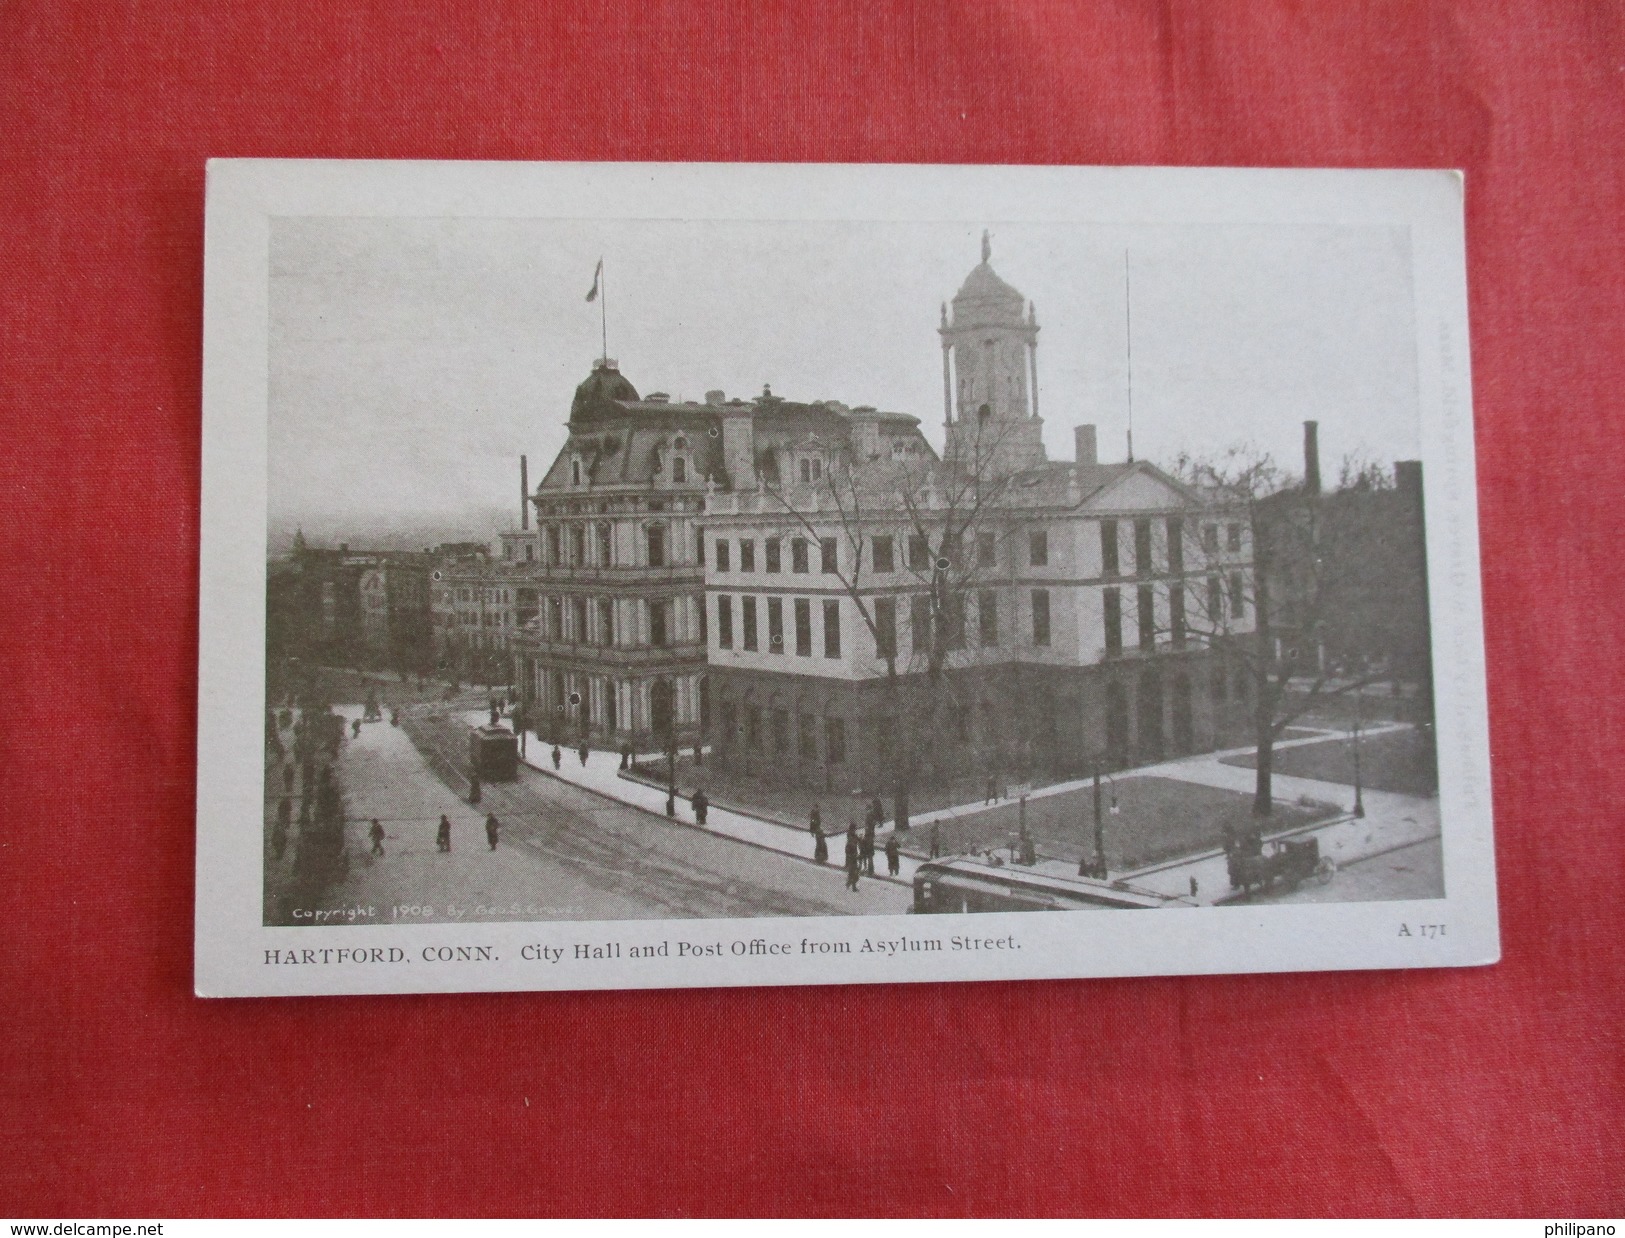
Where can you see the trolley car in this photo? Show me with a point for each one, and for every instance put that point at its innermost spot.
(971, 883)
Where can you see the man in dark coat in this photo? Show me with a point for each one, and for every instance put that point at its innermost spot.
(817, 824)
(626, 756)
(853, 863)
(893, 859)
(442, 839)
(820, 846)
(702, 804)
(491, 829)
(377, 836)
(556, 756)
(583, 753)
(868, 849)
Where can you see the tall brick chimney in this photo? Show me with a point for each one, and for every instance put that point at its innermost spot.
(1311, 457)
(524, 493)
(739, 445)
(1085, 450)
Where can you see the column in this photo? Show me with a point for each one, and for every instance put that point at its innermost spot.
(1032, 359)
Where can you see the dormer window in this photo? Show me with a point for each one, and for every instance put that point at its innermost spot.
(679, 469)
(575, 472)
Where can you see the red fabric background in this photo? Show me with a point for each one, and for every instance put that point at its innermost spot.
(1483, 1091)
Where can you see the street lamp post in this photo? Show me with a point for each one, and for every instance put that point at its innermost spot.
(1359, 800)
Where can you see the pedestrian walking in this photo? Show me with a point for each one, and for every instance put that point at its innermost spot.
(936, 841)
(491, 829)
(820, 845)
(442, 839)
(377, 836)
(626, 756)
(893, 858)
(868, 849)
(702, 805)
(556, 756)
(817, 821)
(992, 790)
(853, 863)
(877, 813)
(583, 754)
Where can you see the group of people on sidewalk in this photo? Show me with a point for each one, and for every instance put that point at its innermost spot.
(442, 836)
(859, 860)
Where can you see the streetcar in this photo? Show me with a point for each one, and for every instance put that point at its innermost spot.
(970, 883)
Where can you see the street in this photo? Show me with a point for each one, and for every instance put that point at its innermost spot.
(563, 853)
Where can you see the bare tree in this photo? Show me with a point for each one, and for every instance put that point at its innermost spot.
(930, 522)
(1268, 600)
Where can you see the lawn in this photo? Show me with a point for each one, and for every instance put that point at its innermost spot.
(1157, 819)
(1400, 761)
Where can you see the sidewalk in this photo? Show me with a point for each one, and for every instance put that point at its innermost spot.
(601, 774)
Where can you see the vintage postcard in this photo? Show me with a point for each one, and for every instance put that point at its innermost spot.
(647, 575)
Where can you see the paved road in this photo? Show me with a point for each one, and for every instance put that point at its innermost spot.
(563, 854)
(1410, 872)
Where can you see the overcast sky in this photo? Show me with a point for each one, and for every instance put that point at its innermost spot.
(412, 361)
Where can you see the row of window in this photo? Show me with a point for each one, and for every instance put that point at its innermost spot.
(773, 554)
(801, 616)
(768, 730)
(592, 621)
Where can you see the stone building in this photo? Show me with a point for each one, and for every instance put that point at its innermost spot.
(991, 612)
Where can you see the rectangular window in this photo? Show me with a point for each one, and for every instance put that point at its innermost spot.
(722, 555)
(679, 469)
(1109, 565)
(880, 551)
(919, 553)
(775, 625)
(700, 611)
(1176, 545)
(885, 627)
(1142, 548)
(1041, 616)
(747, 554)
(1113, 607)
(798, 555)
(553, 545)
(987, 616)
(530, 553)
(1176, 615)
(954, 617)
(1215, 600)
(803, 628)
(1238, 599)
(578, 612)
(781, 730)
(606, 621)
(657, 545)
(834, 741)
(1210, 540)
(1148, 618)
(919, 622)
(1233, 536)
(832, 629)
(578, 546)
(657, 624)
(747, 608)
(699, 545)
(987, 554)
(725, 621)
(774, 563)
(826, 556)
(1038, 549)
(807, 737)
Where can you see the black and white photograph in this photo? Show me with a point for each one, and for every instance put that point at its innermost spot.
(723, 597)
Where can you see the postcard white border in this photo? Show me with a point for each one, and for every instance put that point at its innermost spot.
(233, 945)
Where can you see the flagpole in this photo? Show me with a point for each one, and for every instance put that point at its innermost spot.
(603, 311)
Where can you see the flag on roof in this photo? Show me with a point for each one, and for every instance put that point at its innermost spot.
(597, 275)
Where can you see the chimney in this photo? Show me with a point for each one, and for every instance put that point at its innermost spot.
(739, 446)
(1083, 438)
(716, 397)
(1408, 477)
(1311, 457)
(524, 493)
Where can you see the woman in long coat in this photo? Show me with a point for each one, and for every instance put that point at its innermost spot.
(853, 865)
(820, 846)
(443, 837)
